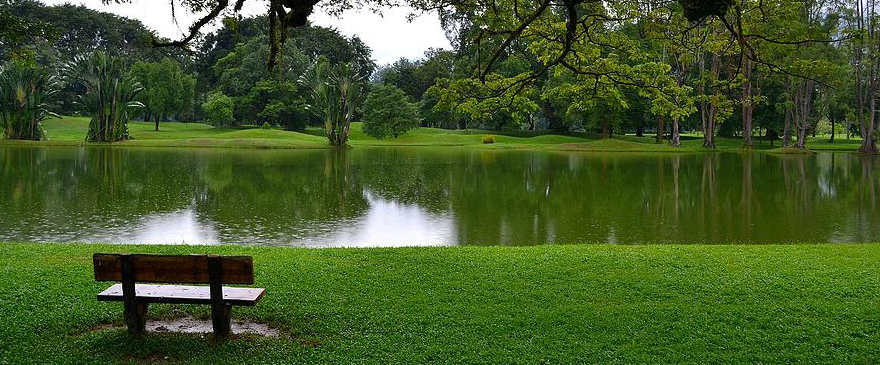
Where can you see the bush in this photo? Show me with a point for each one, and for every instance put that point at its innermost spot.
(266, 125)
(488, 139)
(24, 93)
(111, 94)
(290, 115)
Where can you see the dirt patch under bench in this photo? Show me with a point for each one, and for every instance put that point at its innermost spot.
(201, 326)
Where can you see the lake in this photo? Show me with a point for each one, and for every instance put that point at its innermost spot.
(432, 197)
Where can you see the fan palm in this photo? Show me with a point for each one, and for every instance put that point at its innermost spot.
(110, 95)
(336, 92)
(24, 92)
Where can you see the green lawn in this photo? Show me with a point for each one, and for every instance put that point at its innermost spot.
(530, 305)
(72, 131)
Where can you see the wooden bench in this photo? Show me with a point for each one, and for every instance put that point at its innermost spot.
(189, 269)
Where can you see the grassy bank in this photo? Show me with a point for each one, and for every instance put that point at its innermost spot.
(72, 131)
(551, 304)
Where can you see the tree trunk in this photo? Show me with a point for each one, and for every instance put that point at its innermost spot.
(661, 128)
(803, 107)
(747, 106)
(831, 119)
(640, 131)
(676, 141)
(709, 124)
(786, 129)
(554, 122)
(869, 139)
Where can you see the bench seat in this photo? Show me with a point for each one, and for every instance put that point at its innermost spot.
(184, 294)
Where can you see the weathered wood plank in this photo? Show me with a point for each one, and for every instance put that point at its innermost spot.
(192, 269)
(184, 294)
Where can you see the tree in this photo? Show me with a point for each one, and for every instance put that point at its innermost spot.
(168, 91)
(24, 92)
(17, 31)
(52, 36)
(262, 95)
(860, 19)
(110, 97)
(388, 112)
(219, 109)
(336, 91)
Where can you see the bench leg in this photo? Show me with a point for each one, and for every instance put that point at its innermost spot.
(220, 315)
(136, 318)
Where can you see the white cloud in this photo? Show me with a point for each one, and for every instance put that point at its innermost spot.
(389, 35)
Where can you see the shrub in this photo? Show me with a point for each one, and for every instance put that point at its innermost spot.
(335, 94)
(24, 92)
(488, 139)
(111, 95)
(291, 114)
(266, 125)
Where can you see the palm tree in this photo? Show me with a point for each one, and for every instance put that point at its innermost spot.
(24, 91)
(336, 92)
(110, 95)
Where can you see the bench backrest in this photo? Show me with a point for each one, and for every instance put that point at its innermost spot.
(194, 269)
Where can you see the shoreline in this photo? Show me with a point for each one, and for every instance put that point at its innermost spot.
(609, 145)
(71, 131)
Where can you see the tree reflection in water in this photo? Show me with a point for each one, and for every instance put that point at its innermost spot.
(432, 196)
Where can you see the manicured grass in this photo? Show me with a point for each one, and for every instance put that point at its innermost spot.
(496, 305)
(72, 131)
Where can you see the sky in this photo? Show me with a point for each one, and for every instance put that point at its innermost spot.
(390, 36)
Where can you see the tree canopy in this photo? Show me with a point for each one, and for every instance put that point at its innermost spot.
(746, 69)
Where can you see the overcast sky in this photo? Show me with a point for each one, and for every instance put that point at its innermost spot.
(389, 36)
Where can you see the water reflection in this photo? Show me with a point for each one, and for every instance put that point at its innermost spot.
(406, 196)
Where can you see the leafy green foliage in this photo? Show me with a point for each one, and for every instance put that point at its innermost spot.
(336, 91)
(388, 112)
(500, 101)
(219, 109)
(110, 98)
(24, 93)
(17, 31)
(262, 95)
(168, 90)
(488, 139)
(525, 65)
(416, 77)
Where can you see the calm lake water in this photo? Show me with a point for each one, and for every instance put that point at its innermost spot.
(418, 196)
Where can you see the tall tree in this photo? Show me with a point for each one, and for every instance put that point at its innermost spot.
(168, 91)
(860, 17)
